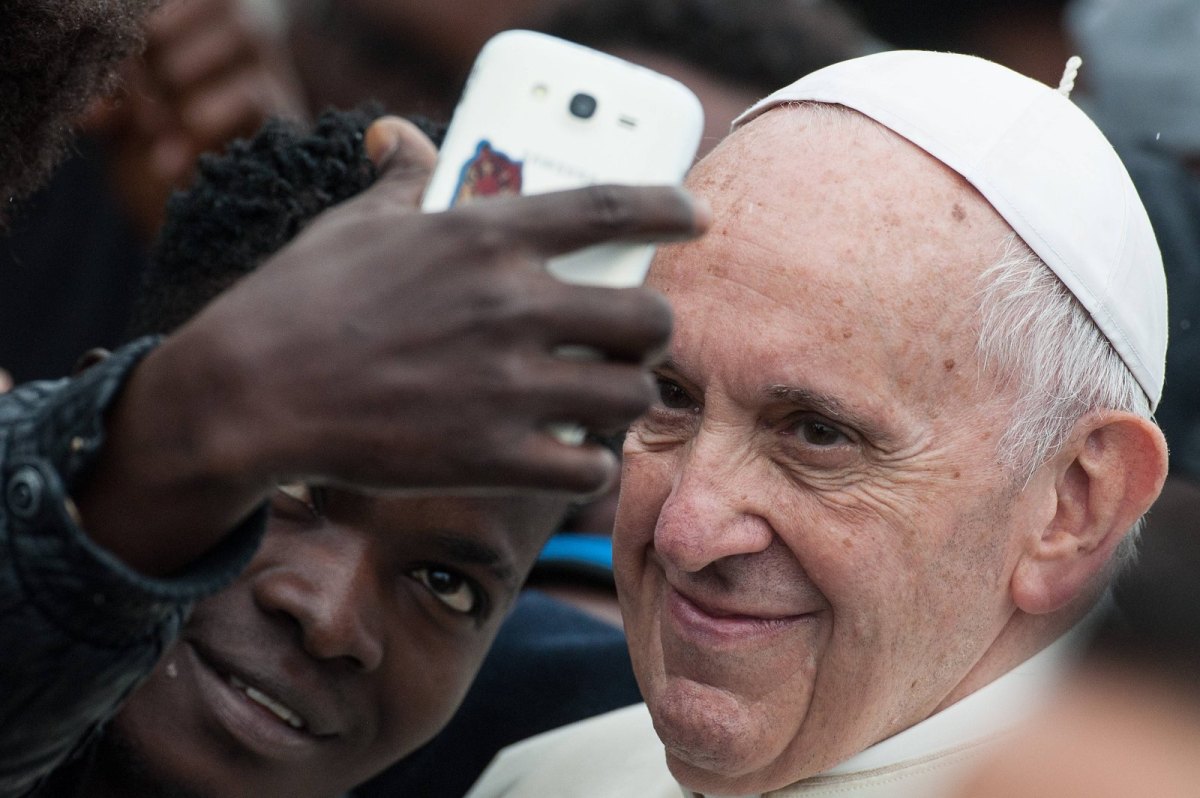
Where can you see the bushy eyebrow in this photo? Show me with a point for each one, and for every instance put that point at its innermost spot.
(464, 550)
(829, 406)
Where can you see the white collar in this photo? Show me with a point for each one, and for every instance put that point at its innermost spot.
(993, 708)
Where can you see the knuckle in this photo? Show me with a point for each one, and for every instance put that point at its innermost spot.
(608, 209)
(502, 305)
(493, 450)
(504, 377)
(489, 240)
(476, 231)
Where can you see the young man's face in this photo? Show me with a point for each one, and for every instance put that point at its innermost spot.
(347, 643)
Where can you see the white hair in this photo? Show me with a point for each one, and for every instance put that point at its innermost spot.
(1040, 339)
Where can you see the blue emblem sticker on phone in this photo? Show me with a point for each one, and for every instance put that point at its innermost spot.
(488, 173)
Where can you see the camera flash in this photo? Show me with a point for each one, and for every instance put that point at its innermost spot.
(540, 91)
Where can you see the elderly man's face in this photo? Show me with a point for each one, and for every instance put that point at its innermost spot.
(815, 538)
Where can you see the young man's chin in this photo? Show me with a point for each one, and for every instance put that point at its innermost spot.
(123, 768)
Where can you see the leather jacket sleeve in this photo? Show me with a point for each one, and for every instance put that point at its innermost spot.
(78, 629)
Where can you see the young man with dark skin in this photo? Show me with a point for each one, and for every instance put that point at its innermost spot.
(383, 348)
(357, 627)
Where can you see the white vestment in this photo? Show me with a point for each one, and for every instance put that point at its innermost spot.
(618, 755)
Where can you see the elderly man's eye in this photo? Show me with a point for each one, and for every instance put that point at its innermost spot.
(818, 433)
(674, 397)
(452, 589)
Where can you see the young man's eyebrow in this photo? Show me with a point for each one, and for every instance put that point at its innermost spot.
(469, 551)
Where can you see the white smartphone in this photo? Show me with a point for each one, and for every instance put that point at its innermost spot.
(541, 114)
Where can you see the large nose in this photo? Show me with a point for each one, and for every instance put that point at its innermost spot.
(326, 582)
(712, 512)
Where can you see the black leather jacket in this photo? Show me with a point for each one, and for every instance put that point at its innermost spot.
(78, 629)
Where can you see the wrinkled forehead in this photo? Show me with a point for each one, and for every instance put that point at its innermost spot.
(842, 259)
(842, 202)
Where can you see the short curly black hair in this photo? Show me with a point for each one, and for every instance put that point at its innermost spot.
(244, 205)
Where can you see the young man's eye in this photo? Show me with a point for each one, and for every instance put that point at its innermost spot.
(298, 501)
(450, 588)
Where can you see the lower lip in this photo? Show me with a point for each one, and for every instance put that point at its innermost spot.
(255, 726)
(692, 623)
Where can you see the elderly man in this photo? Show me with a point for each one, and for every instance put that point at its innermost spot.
(904, 435)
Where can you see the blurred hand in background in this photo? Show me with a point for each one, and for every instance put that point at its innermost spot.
(213, 70)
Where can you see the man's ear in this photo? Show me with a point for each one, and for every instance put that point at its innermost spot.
(1105, 477)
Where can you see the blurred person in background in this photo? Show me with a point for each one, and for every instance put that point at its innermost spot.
(1142, 68)
(70, 264)
(1025, 35)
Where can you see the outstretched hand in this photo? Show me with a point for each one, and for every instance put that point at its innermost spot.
(386, 348)
(418, 350)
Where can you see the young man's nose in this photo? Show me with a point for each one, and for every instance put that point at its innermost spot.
(330, 587)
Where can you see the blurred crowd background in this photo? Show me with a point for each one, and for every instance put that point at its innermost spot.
(214, 70)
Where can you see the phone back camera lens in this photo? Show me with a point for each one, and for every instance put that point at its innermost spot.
(583, 106)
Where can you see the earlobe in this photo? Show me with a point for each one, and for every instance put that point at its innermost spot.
(1105, 478)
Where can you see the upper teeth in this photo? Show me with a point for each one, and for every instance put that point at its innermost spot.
(259, 697)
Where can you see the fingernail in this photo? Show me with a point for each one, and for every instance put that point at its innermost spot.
(382, 140)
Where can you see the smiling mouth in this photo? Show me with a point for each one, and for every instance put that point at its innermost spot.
(700, 622)
(275, 707)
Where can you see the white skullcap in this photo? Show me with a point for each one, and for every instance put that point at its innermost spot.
(1041, 163)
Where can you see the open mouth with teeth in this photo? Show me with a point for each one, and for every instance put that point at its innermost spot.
(268, 703)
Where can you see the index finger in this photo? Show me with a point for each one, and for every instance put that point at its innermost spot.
(564, 221)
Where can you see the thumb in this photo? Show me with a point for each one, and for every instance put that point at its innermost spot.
(403, 154)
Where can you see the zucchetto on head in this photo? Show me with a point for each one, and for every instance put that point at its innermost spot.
(1041, 163)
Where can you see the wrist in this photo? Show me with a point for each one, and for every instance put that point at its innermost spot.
(171, 479)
